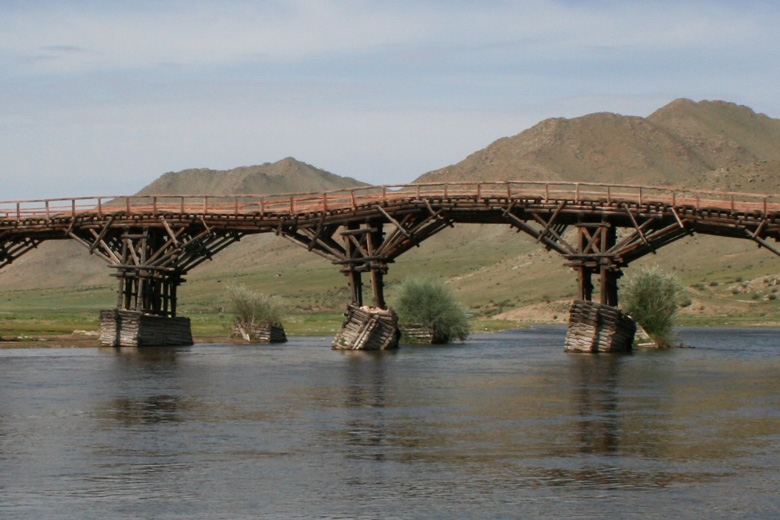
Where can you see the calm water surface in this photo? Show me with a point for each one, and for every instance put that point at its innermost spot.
(506, 426)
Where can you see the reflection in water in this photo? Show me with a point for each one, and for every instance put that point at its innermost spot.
(147, 410)
(506, 427)
(366, 425)
(133, 405)
(595, 392)
(144, 355)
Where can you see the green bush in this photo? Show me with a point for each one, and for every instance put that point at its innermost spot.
(651, 297)
(253, 310)
(429, 304)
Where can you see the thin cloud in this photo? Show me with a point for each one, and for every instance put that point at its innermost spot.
(382, 91)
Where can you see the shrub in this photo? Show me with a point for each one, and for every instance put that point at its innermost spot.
(253, 310)
(651, 298)
(428, 303)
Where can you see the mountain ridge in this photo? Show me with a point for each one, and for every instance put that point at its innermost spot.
(675, 146)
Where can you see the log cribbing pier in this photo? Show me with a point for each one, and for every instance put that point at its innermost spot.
(151, 242)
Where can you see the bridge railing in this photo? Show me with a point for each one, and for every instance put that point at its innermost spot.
(349, 198)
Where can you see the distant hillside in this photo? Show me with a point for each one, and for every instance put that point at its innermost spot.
(285, 176)
(65, 263)
(708, 144)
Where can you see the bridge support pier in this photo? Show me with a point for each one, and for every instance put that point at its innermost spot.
(597, 326)
(372, 327)
(123, 328)
(366, 248)
(146, 311)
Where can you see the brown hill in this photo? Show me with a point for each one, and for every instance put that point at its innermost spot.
(58, 264)
(676, 145)
(285, 176)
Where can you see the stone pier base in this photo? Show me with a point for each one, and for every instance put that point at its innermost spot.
(594, 328)
(368, 328)
(120, 328)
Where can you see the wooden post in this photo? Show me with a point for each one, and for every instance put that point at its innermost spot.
(378, 286)
(356, 287)
(374, 241)
(585, 284)
(609, 271)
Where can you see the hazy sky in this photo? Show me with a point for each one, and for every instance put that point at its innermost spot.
(102, 97)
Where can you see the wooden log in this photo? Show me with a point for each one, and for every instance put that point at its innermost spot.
(122, 328)
(594, 327)
(368, 328)
(261, 334)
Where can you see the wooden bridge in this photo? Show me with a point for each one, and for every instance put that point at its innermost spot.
(151, 242)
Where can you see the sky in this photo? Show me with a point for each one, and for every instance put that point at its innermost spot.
(101, 98)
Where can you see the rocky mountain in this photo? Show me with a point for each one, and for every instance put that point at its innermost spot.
(709, 144)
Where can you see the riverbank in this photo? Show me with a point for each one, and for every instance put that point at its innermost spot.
(79, 329)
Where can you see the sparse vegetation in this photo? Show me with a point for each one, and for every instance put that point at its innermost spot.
(252, 310)
(430, 304)
(652, 297)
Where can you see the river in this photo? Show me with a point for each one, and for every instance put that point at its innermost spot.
(504, 426)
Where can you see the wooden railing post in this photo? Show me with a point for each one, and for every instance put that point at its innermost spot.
(235, 210)
(127, 204)
(182, 204)
(577, 192)
(154, 205)
(324, 202)
(292, 205)
(100, 207)
(352, 195)
(206, 205)
(18, 211)
(73, 207)
(640, 196)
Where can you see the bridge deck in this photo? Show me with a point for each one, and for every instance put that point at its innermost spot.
(290, 205)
